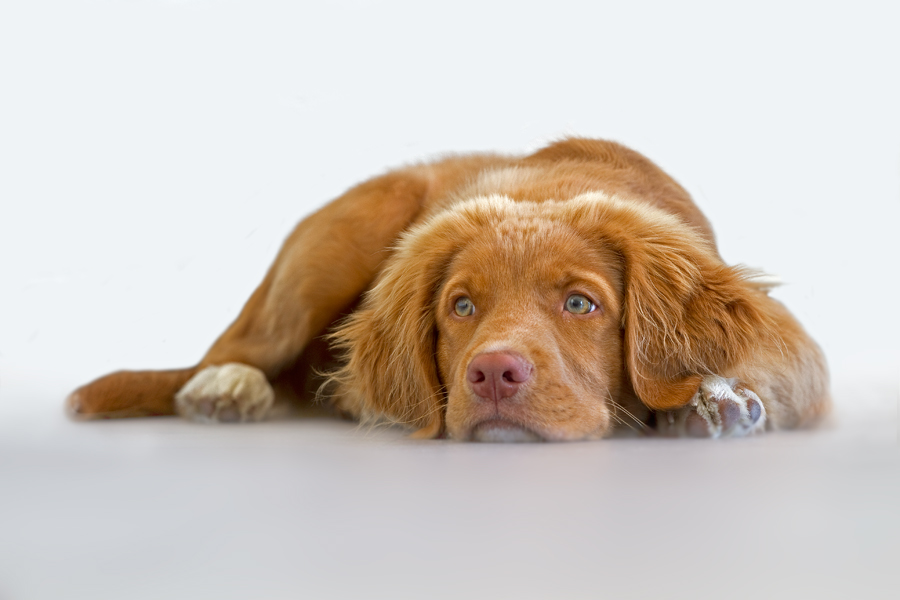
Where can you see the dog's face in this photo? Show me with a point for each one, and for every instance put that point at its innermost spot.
(513, 321)
(529, 341)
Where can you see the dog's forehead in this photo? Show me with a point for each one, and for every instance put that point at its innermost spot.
(529, 239)
(531, 248)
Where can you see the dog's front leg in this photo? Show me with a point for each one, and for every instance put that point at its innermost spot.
(783, 383)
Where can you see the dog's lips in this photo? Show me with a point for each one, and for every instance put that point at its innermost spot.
(501, 430)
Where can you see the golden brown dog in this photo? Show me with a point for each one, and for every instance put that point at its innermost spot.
(486, 297)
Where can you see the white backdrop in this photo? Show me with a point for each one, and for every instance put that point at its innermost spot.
(153, 154)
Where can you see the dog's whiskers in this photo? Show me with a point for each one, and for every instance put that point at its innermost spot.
(641, 426)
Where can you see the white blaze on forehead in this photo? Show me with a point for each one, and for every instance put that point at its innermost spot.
(500, 181)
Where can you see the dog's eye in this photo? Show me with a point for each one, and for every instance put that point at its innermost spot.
(464, 307)
(579, 305)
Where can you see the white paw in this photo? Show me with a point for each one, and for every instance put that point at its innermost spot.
(229, 393)
(720, 408)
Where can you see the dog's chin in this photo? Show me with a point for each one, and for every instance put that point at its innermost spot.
(500, 431)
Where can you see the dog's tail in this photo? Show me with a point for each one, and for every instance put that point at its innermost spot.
(128, 394)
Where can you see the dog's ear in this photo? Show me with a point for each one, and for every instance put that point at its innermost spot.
(686, 314)
(389, 343)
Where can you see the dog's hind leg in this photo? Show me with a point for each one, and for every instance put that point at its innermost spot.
(128, 394)
(321, 270)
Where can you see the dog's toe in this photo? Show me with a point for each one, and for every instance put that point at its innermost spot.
(729, 414)
(73, 406)
(695, 425)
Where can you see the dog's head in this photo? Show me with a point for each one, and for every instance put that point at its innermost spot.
(503, 320)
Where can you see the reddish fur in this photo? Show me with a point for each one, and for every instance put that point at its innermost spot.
(673, 311)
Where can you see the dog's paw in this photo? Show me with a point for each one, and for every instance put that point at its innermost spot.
(228, 393)
(720, 408)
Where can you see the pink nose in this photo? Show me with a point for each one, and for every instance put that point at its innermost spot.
(497, 375)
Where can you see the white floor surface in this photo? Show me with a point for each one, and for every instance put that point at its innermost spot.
(161, 508)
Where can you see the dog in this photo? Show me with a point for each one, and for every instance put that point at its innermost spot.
(557, 296)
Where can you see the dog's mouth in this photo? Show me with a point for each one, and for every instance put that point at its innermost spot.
(502, 431)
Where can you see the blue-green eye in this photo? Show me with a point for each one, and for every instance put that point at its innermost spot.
(579, 305)
(464, 307)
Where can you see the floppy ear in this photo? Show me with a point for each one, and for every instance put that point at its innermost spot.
(389, 343)
(686, 313)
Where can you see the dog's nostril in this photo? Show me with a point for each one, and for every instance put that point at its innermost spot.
(477, 377)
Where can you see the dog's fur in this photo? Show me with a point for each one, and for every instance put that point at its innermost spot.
(663, 332)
